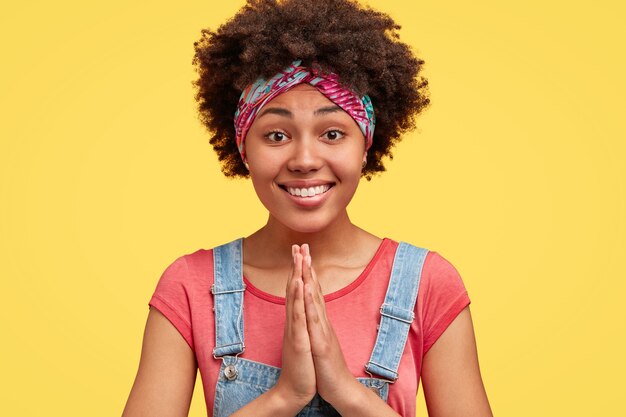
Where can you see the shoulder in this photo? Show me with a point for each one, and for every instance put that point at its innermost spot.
(440, 275)
(193, 269)
(439, 268)
(188, 270)
(435, 267)
(183, 280)
(434, 264)
(441, 298)
(182, 288)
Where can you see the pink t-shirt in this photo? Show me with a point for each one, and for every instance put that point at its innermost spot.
(183, 295)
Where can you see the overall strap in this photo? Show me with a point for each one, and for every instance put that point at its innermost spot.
(397, 311)
(227, 290)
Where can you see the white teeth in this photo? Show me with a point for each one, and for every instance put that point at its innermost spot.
(308, 192)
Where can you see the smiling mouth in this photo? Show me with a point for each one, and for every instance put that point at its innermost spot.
(307, 192)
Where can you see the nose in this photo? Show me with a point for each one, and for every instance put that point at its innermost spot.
(305, 155)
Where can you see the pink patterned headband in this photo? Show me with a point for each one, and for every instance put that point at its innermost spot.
(257, 94)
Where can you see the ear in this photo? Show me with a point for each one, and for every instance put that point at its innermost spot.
(364, 159)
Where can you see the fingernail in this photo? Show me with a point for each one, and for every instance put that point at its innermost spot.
(308, 261)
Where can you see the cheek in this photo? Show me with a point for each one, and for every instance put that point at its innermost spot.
(263, 173)
(347, 163)
(261, 179)
(262, 164)
(264, 192)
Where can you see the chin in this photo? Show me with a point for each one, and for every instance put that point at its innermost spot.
(305, 224)
(307, 229)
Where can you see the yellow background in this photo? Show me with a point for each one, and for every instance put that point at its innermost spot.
(516, 175)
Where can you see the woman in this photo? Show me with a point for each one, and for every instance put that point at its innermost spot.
(309, 315)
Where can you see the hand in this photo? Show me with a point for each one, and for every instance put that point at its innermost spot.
(333, 378)
(296, 383)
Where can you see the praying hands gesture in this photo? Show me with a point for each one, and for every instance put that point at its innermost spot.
(312, 358)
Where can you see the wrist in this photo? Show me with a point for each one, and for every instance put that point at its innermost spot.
(284, 402)
(350, 397)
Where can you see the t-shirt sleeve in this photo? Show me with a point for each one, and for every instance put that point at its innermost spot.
(171, 298)
(444, 297)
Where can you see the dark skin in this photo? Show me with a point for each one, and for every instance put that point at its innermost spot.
(312, 357)
(260, 269)
(273, 260)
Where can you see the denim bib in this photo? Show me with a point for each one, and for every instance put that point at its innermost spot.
(240, 380)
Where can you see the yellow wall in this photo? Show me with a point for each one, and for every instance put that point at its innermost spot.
(516, 176)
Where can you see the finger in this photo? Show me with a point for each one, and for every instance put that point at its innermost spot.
(295, 249)
(307, 263)
(309, 277)
(293, 263)
(290, 287)
(297, 276)
(299, 313)
(290, 300)
(297, 336)
(312, 313)
(314, 281)
(305, 250)
(306, 269)
(297, 268)
(313, 320)
(320, 298)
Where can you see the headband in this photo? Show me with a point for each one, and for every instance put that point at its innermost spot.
(257, 94)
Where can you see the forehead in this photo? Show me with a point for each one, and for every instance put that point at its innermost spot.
(301, 96)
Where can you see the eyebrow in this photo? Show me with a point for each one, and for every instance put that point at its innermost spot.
(284, 112)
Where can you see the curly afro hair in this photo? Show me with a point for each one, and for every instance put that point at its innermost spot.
(357, 43)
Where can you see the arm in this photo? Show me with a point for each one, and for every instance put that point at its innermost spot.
(359, 401)
(272, 404)
(167, 372)
(451, 377)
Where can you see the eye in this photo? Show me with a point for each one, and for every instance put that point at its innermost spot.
(334, 134)
(276, 136)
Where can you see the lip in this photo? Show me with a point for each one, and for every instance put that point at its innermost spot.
(305, 183)
(307, 202)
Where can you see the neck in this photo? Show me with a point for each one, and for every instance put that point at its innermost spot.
(272, 243)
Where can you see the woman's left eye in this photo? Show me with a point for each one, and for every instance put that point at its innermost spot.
(334, 134)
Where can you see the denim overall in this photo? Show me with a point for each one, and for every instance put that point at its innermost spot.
(240, 380)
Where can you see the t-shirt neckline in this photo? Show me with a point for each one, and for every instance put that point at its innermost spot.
(328, 297)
